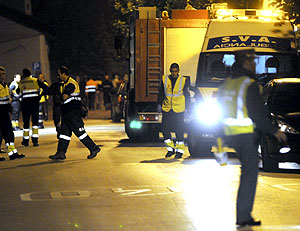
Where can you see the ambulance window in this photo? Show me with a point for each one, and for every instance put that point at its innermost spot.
(228, 59)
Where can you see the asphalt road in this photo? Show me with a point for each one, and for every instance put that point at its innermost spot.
(130, 186)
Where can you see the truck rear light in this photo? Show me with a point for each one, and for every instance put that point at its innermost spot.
(150, 117)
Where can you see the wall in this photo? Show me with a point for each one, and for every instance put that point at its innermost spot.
(18, 54)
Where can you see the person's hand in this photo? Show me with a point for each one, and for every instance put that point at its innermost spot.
(159, 109)
(280, 136)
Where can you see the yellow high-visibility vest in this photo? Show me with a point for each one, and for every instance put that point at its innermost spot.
(29, 87)
(75, 95)
(175, 98)
(232, 97)
(4, 94)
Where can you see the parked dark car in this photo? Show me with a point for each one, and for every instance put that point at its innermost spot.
(117, 103)
(282, 97)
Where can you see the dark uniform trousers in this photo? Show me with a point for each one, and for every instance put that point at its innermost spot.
(173, 122)
(91, 99)
(247, 149)
(15, 110)
(57, 116)
(72, 122)
(6, 128)
(30, 108)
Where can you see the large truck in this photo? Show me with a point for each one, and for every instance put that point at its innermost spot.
(203, 42)
(156, 43)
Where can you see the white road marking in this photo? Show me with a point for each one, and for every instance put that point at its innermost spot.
(128, 192)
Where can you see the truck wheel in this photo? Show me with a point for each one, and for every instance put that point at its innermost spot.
(152, 133)
(199, 148)
(268, 164)
(115, 116)
(133, 134)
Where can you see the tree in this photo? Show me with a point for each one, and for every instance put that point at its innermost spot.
(290, 6)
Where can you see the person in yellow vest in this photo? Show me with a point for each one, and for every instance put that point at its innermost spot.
(71, 118)
(43, 107)
(90, 90)
(29, 89)
(173, 101)
(5, 122)
(244, 117)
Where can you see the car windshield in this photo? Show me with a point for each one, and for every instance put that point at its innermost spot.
(285, 98)
(215, 67)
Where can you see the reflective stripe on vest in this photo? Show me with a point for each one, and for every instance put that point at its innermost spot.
(175, 98)
(90, 88)
(75, 95)
(236, 121)
(29, 87)
(4, 94)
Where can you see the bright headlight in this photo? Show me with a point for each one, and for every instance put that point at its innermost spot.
(285, 127)
(208, 112)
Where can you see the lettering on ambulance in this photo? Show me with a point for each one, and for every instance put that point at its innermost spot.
(249, 41)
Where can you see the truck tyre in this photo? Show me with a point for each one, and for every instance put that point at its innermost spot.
(147, 134)
(115, 116)
(130, 132)
(268, 164)
(198, 148)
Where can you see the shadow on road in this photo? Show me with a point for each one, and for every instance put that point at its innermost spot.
(48, 162)
(160, 160)
(130, 143)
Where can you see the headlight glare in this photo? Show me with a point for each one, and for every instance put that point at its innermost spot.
(208, 112)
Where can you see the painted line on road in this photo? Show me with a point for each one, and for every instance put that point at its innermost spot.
(286, 187)
(55, 195)
(129, 191)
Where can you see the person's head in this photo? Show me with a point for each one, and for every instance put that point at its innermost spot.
(117, 77)
(106, 77)
(26, 73)
(126, 78)
(17, 77)
(174, 69)
(42, 77)
(245, 59)
(2, 74)
(63, 72)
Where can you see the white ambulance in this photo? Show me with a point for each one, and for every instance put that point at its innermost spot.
(272, 36)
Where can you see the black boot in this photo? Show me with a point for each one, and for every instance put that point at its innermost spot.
(169, 154)
(58, 156)
(251, 222)
(178, 155)
(25, 142)
(35, 141)
(16, 156)
(94, 153)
